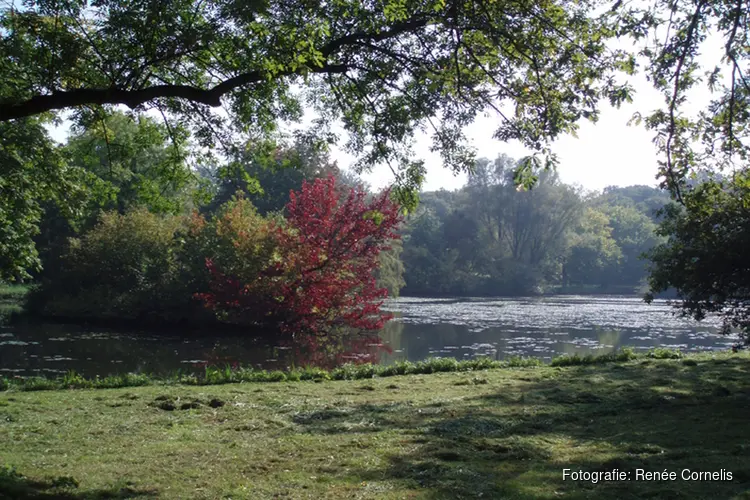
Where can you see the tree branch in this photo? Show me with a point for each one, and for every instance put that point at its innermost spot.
(211, 97)
(135, 98)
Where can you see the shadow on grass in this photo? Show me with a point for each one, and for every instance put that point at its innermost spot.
(514, 442)
(18, 487)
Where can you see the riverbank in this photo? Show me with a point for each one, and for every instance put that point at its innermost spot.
(481, 434)
(213, 375)
(12, 298)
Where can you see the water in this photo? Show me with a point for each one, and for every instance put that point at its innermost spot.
(543, 327)
(499, 328)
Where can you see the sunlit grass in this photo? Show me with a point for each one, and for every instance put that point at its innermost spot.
(493, 433)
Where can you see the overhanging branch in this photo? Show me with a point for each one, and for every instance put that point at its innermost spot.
(211, 97)
(134, 98)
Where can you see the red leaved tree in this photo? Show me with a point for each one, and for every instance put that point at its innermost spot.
(322, 279)
(330, 252)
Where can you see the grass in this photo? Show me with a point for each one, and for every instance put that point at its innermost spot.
(12, 298)
(228, 375)
(216, 376)
(502, 433)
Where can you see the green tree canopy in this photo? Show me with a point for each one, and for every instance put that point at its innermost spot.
(384, 68)
(705, 255)
(32, 171)
(134, 163)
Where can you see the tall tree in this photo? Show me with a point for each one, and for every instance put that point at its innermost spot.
(593, 256)
(134, 163)
(268, 172)
(635, 234)
(705, 255)
(32, 171)
(121, 164)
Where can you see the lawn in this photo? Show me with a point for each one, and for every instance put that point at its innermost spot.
(505, 433)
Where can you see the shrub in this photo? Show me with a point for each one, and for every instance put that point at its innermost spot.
(664, 353)
(122, 268)
(320, 275)
(144, 266)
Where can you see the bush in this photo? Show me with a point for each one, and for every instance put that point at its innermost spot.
(149, 267)
(312, 273)
(123, 268)
(664, 353)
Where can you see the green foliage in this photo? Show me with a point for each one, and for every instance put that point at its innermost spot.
(122, 268)
(716, 138)
(266, 173)
(12, 299)
(593, 251)
(622, 355)
(490, 238)
(383, 69)
(390, 271)
(704, 257)
(32, 172)
(124, 164)
(145, 266)
(663, 353)
(133, 163)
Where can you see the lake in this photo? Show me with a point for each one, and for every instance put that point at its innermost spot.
(543, 327)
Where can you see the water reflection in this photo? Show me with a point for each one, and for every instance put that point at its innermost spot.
(542, 327)
(499, 328)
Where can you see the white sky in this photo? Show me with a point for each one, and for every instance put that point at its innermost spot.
(606, 153)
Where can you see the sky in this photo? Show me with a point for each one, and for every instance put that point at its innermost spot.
(603, 154)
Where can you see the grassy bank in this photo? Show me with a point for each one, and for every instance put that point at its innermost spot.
(228, 375)
(12, 298)
(505, 433)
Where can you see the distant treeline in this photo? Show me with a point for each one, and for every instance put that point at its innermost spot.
(490, 238)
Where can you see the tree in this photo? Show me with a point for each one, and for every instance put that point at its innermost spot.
(383, 68)
(635, 234)
(646, 199)
(121, 164)
(321, 277)
(705, 256)
(133, 162)
(268, 172)
(700, 259)
(593, 252)
(32, 172)
(390, 271)
(527, 230)
(490, 238)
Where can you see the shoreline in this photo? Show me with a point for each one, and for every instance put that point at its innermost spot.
(214, 375)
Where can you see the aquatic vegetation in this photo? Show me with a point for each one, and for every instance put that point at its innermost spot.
(351, 371)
